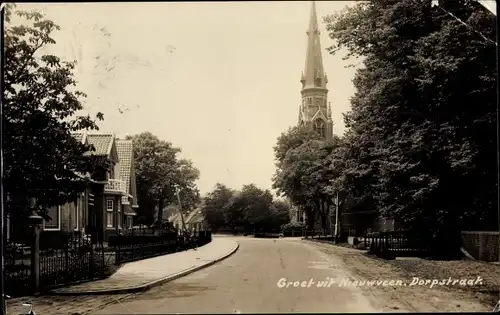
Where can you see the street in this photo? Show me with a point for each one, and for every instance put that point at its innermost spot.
(247, 283)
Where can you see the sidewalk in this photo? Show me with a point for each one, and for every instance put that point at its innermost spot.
(144, 274)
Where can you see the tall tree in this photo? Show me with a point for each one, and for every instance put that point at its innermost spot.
(293, 138)
(254, 206)
(158, 173)
(43, 162)
(214, 204)
(305, 178)
(280, 213)
(187, 176)
(413, 124)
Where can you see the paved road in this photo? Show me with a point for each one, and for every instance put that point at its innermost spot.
(247, 282)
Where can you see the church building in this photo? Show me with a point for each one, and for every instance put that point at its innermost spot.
(315, 111)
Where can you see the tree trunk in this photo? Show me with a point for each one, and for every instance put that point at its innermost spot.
(309, 217)
(159, 216)
(323, 214)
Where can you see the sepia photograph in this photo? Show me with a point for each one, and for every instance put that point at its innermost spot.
(250, 157)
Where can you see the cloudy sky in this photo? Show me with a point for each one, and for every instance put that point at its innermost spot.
(219, 80)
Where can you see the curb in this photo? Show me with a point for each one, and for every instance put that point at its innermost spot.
(147, 286)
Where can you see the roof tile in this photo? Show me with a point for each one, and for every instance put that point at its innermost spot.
(101, 143)
(125, 151)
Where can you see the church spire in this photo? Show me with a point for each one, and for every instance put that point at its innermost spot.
(314, 113)
(314, 74)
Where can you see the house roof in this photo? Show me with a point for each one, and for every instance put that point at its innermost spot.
(103, 143)
(197, 217)
(125, 152)
(174, 217)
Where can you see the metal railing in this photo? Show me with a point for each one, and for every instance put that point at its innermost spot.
(74, 258)
(129, 248)
(115, 185)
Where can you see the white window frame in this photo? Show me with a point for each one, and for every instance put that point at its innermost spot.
(108, 211)
(58, 228)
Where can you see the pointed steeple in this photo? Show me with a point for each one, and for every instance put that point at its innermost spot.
(315, 112)
(314, 74)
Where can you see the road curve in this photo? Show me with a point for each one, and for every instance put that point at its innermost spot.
(247, 282)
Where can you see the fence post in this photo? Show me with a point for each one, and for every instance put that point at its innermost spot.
(36, 224)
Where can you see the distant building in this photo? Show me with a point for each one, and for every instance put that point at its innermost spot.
(193, 220)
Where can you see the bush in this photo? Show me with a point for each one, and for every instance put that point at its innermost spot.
(293, 226)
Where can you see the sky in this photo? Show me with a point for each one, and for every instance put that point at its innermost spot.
(220, 80)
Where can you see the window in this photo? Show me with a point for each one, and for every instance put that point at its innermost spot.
(325, 102)
(109, 213)
(319, 127)
(54, 221)
(318, 101)
(309, 100)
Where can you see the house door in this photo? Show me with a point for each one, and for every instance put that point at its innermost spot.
(92, 228)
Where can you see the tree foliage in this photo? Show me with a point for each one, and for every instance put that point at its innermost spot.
(158, 172)
(250, 209)
(43, 163)
(213, 205)
(420, 140)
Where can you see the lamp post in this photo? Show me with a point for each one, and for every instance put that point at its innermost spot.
(336, 213)
(177, 192)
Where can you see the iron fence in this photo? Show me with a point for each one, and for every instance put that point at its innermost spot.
(17, 271)
(129, 248)
(75, 258)
(392, 244)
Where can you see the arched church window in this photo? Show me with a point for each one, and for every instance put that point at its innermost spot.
(320, 127)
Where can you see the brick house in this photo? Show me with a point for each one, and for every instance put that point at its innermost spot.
(78, 216)
(106, 207)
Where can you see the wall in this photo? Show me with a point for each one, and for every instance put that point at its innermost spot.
(117, 211)
(481, 245)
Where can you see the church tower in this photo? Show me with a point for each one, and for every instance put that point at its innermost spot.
(315, 111)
